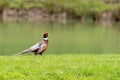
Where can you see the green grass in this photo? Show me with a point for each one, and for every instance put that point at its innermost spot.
(60, 67)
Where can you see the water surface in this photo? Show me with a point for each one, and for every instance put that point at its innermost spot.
(71, 37)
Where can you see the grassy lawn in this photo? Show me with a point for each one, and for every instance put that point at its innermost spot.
(60, 67)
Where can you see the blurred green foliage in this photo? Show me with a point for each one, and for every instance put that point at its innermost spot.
(76, 5)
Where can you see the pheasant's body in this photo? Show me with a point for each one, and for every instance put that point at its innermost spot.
(39, 47)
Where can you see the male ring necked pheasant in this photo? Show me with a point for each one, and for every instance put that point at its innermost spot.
(39, 47)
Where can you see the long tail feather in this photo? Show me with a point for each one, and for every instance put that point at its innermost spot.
(25, 51)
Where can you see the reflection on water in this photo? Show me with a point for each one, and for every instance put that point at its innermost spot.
(73, 37)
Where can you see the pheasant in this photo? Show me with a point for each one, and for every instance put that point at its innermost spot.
(39, 47)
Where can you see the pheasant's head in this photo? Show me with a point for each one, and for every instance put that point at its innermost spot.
(45, 36)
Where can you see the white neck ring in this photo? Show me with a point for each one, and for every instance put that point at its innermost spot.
(45, 38)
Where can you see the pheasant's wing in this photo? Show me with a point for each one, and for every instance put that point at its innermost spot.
(36, 46)
(41, 48)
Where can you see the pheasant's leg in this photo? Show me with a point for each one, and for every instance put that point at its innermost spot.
(40, 53)
(35, 53)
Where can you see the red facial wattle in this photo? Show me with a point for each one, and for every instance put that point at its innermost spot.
(46, 34)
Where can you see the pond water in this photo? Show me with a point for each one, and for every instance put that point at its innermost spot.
(71, 37)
